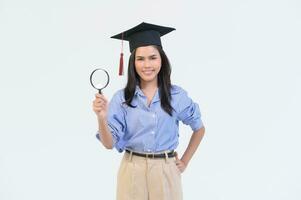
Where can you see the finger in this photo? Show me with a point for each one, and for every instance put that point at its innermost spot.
(180, 165)
(100, 96)
(96, 104)
(102, 107)
(178, 162)
(180, 168)
(103, 98)
(97, 109)
(176, 155)
(97, 101)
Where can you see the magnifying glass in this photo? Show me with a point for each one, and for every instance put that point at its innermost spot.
(99, 79)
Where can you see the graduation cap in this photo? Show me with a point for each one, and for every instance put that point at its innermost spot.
(143, 34)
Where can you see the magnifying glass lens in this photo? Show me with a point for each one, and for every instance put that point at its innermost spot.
(99, 79)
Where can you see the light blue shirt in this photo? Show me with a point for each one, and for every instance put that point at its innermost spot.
(149, 128)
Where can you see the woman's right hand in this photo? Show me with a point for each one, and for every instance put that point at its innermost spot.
(100, 106)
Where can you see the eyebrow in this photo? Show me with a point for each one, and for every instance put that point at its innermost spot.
(149, 56)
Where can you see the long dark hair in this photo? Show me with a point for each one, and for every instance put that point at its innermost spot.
(164, 82)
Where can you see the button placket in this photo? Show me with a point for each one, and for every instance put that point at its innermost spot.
(154, 128)
(150, 146)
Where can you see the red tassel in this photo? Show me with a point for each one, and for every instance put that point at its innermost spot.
(121, 58)
(121, 65)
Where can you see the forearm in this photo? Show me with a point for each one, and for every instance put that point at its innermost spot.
(194, 142)
(106, 136)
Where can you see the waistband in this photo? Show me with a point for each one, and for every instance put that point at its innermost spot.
(153, 155)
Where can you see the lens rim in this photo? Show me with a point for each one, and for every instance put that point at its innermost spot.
(108, 80)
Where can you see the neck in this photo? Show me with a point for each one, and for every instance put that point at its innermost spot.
(148, 85)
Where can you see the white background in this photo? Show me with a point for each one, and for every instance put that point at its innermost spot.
(240, 60)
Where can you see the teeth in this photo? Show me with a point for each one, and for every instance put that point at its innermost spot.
(147, 72)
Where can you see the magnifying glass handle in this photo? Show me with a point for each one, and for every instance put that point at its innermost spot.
(99, 91)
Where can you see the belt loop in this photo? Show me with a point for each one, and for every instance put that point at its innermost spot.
(166, 156)
(131, 155)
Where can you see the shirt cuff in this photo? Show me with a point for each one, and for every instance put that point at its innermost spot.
(196, 125)
(98, 136)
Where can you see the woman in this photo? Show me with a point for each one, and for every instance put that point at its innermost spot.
(143, 120)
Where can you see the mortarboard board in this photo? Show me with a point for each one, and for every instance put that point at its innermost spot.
(141, 35)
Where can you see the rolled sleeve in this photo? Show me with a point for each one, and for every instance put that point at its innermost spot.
(189, 112)
(98, 136)
(116, 121)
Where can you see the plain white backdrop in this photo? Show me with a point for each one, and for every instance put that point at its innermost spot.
(240, 60)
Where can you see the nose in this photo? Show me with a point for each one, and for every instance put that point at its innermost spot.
(147, 63)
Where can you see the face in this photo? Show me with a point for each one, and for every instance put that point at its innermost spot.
(147, 63)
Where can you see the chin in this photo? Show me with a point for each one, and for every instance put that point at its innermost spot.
(148, 79)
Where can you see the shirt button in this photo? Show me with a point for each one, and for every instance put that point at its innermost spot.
(153, 115)
(153, 132)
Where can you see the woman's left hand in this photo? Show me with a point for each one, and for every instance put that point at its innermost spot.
(180, 164)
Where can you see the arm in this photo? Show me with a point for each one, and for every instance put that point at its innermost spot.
(106, 137)
(189, 113)
(111, 124)
(100, 107)
(194, 142)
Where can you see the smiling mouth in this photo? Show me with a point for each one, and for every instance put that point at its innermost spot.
(148, 72)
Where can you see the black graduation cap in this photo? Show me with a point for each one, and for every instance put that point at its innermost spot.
(141, 35)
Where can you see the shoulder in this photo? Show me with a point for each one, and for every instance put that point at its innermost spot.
(118, 96)
(177, 90)
(180, 97)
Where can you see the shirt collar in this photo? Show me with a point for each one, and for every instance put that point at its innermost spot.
(139, 92)
(174, 90)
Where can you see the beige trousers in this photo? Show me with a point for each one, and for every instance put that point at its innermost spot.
(142, 178)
